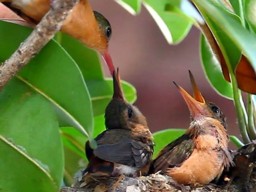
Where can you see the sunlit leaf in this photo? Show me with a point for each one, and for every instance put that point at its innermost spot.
(231, 42)
(213, 70)
(132, 6)
(243, 39)
(173, 23)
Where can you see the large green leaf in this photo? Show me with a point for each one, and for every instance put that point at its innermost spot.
(53, 74)
(132, 6)
(229, 26)
(173, 23)
(213, 70)
(30, 147)
(228, 48)
(164, 137)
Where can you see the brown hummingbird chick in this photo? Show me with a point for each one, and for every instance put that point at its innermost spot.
(126, 146)
(84, 24)
(200, 155)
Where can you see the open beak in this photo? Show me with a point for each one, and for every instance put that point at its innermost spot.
(196, 93)
(107, 58)
(197, 105)
(118, 93)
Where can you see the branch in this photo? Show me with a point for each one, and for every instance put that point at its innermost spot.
(40, 36)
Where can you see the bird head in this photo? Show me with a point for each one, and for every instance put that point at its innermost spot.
(105, 32)
(119, 113)
(197, 105)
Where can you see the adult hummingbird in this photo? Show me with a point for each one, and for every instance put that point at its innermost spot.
(126, 146)
(90, 27)
(200, 155)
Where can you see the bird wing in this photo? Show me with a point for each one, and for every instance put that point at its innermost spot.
(174, 153)
(124, 150)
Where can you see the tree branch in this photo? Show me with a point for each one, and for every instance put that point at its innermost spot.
(41, 35)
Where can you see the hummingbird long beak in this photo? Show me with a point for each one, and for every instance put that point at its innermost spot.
(196, 92)
(118, 93)
(197, 106)
(107, 58)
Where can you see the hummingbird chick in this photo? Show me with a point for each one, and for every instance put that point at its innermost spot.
(126, 146)
(200, 155)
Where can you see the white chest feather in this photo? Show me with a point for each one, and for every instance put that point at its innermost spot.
(21, 3)
(124, 169)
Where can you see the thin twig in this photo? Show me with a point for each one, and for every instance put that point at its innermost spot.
(41, 35)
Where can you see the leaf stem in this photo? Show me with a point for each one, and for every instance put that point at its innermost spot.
(240, 109)
(251, 126)
(241, 10)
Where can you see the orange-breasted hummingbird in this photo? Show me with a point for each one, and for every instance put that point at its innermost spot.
(200, 155)
(126, 146)
(90, 27)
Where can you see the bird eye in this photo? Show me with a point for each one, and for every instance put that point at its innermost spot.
(215, 109)
(130, 112)
(108, 31)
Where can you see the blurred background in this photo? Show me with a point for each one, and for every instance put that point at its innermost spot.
(148, 62)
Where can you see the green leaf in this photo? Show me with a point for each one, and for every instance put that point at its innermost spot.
(74, 150)
(53, 74)
(74, 140)
(239, 7)
(236, 141)
(213, 72)
(228, 48)
(241, 38)
(74, 164)
(164, 137)
(30, 146)
(102, 91)
(87, 59)
(173, 23)
(132, 6)
(250, 14)
(99, 125)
